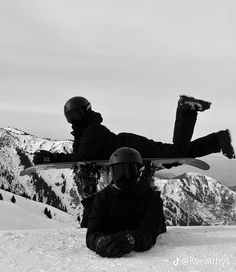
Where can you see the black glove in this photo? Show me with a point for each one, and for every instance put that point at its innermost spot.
(120, 243)
(43, 156)
(101, 243)
(115, 245)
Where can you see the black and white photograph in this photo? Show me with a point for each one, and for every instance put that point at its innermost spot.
(117, 135)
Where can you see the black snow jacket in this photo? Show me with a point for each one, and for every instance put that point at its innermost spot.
(140, 213)
(94, 141)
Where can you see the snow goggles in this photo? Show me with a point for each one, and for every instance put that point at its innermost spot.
(125, 174)
(74, 115)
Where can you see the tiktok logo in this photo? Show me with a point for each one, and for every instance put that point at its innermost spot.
(176, 262)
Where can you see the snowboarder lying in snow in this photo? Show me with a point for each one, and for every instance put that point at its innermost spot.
(127, 215)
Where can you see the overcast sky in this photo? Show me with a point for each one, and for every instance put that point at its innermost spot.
(132, 59)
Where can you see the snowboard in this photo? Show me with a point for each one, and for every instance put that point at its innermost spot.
(158, 162)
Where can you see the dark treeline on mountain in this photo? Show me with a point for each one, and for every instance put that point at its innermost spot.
(24, 159)
(8, 189)
(45, 193)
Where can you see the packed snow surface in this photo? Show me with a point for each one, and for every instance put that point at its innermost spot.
(64, 249)
(28, 214)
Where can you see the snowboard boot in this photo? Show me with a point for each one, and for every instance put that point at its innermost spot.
(86, 179)
(86, 185)
(189, 102)
(226, 147)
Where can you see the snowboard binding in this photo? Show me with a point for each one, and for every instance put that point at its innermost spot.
(86, 179)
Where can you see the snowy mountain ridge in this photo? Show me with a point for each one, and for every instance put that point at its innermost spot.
(195, 199)
(16, 153)
(190, 199)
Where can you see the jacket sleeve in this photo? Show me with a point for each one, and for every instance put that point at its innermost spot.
(92, 142)
(149, 226)
(97, 223)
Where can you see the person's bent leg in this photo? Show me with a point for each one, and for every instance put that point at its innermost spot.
(183, 129)
(186, 116)
(213, 143)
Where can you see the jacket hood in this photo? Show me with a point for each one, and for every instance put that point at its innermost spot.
(90, 118)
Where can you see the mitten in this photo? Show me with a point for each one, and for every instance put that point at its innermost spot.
(100, 247)
(120, 243)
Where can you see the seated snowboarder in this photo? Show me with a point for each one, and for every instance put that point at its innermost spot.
(127, 215)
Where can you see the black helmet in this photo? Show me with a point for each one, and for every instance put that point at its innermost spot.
(76, 108)
(125, 155)
(126, 167)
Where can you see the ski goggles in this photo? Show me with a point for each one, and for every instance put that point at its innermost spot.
(128, 172)
(74, 115)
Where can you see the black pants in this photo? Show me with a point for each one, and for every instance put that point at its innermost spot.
(182, 145)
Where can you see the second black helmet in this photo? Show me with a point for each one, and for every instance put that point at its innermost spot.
(126, 168)
(76, 108)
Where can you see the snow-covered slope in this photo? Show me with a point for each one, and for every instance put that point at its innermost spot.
(28, 214)
(197, 249)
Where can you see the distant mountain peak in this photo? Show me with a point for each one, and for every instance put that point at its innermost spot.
(188, 175)
(16, 131)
